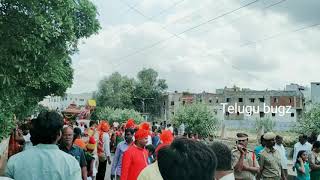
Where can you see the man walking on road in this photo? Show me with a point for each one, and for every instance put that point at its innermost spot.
(68, 147)
(135, 159)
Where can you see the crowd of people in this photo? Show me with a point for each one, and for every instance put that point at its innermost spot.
(47, 148)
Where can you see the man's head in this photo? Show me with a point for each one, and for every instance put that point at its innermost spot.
(262, 142)
(303, 138)
(316, 147)
(224, 156)
(187, 159)
(46, 128)
(242, 139)
(279, 140)
(76, 133)
(93, 124)
(128, 134)
(67, 136)
(269, 139)
(141, 137)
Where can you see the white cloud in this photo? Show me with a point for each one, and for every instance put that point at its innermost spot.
(205, 58)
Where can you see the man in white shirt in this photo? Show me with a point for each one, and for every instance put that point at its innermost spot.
(280, 148)
(303, 144)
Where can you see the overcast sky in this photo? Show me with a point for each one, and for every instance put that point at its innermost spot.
(204, 45)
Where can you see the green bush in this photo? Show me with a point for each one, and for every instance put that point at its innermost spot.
(117, 115)
(198, 119)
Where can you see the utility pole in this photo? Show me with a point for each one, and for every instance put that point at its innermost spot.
(143, 103)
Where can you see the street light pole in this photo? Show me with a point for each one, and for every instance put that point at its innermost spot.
(143, 103)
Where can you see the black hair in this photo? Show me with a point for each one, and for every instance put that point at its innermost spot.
(130, 130)
(299, 155)
(304, 136)
(76, 133)
(151, 148)
(316, 145)
(46, 127)
(91, 123)
(224, 156)
(187, 159)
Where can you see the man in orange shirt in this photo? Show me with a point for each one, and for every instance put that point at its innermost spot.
(135, 158)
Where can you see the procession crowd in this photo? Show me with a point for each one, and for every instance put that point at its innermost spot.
(49, 148)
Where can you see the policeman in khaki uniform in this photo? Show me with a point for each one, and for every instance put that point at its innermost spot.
(270, 160)
(244, 161)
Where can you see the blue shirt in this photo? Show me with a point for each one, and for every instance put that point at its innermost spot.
(43, 161)
(117, 160)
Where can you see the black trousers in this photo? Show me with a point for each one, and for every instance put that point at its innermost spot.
(101, 170)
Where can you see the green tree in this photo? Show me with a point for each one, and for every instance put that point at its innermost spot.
(197, 118)
(115, 91)
(310, 122)
(37, 39)
(149, 86)
(118, 115)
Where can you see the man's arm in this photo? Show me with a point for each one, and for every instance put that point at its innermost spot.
(84, 173)
(255, 168)
(83, 164)
(239, 163)
(261, 164)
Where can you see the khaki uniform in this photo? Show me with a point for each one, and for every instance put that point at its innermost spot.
(249, 160)
(270, 161)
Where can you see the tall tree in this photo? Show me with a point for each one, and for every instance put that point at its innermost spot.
(148, 91)
(115, 91)
(37, 39)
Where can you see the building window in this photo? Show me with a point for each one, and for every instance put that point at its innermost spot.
(210, 101)
(290, 100)
(252, 100)
(81, 100)
(292, 114)
(261, 99)
(273, 114)
(217, 101)
(275, 100)
(261, 114)
(172, 103)
(240, 100)
(164, 103)
(228, 99)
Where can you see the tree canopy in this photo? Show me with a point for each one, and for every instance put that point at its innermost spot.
(117, 91)
(37, 39)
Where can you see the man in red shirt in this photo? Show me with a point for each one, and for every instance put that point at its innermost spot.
(135, 159)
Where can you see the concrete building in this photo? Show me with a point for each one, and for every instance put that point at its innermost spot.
(61, 103)
(315, 92)
(247, 105)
